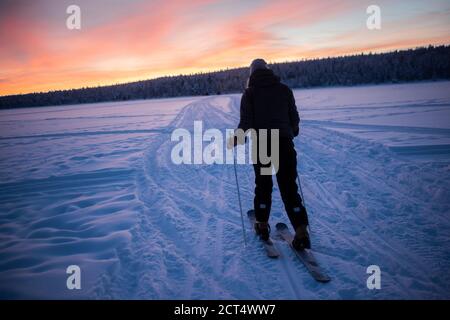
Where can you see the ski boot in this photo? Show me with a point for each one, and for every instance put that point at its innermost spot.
(301, 240)
(262, 229)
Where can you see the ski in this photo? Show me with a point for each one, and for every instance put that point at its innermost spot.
(306, 256)
(271, 251)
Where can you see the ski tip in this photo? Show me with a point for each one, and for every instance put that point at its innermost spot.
(281, 226)
(271, 250)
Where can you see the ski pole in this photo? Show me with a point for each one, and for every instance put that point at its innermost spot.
(239, 198)
(301, 191)
(303, 198)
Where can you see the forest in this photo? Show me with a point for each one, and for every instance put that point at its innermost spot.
(430, 63)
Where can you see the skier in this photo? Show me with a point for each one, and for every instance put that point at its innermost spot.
(269, 104)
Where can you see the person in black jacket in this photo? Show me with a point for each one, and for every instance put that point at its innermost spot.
(269, 104)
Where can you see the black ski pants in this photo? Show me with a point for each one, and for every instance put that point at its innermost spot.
(286, 178)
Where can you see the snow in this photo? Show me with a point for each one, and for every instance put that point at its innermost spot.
(94, 185)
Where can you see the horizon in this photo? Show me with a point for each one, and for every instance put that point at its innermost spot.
(141, 40)
(228, 69)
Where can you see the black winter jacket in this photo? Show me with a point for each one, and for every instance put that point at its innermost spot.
(269, 104)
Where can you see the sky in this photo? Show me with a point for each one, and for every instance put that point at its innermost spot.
(122, 41)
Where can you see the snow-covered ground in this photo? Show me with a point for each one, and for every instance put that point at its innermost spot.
(94, 186)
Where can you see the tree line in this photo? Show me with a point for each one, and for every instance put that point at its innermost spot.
(430, 63)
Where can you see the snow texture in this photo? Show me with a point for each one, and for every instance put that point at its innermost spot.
(94, 185)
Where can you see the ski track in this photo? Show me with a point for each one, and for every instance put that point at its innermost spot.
(166, 231)
(343, 201)
(350, 228)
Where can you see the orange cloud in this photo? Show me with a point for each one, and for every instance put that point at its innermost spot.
(150, 39)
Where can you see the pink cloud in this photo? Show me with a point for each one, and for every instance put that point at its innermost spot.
(160, 37)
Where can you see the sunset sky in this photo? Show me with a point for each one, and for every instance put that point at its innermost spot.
(122, 41)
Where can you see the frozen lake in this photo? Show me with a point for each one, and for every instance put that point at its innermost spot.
(93, 185)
